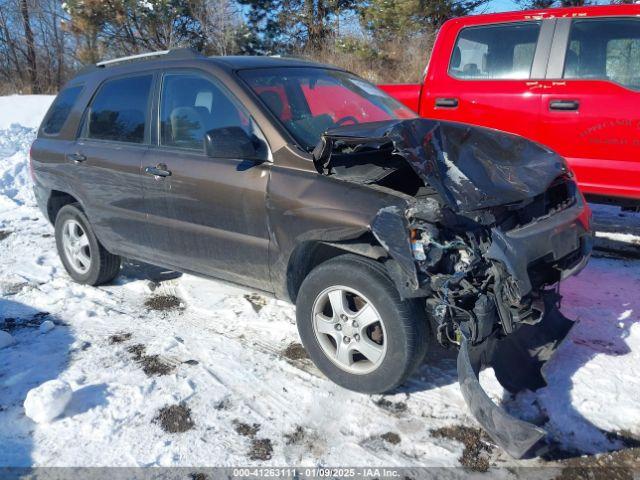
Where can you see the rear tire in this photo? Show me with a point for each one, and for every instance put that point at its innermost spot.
(83, 256)
(355, 327)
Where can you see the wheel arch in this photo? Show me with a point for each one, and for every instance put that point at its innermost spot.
(309, 254)
(58, 199)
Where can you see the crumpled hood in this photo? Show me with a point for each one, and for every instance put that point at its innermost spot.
(470, 167)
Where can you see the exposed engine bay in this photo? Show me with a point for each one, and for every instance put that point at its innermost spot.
(493, 223)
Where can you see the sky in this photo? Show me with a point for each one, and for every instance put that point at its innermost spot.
(502, 6)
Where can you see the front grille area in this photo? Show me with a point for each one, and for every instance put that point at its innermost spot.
(547, 271)
(560, 195)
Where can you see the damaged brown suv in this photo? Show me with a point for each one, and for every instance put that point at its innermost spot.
(307, 182)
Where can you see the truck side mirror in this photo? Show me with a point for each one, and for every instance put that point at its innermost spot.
(234, 142)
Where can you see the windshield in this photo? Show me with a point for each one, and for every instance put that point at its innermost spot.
(309, 101)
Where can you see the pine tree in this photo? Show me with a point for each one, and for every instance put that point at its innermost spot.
(389, 19)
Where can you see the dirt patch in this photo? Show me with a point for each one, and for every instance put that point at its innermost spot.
(391, 437)
(393, 407)
(295, 351)
(154, 365)
(12, 288)
(618, 465)
(137, 350)
(257, 302)
(223, 404)
(4, 234)
(261, 449)
(163, 303)
(295, 437)
(39, 317)
(10, 324)
(191, 362)
(175, 418)
(151, 364)
(477, 448)
(628, 439)
(245, 429)
(120, 337)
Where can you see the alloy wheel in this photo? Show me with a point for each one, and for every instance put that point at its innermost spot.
(349, 329)
(76, 246)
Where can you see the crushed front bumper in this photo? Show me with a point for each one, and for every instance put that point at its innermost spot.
(518, 360)
(562, 241)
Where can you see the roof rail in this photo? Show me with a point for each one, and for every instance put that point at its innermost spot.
(173, 53)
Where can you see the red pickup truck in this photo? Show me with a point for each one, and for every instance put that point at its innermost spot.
(568, 78)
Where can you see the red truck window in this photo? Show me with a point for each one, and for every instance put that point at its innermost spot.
(495, 52)
(604, 49)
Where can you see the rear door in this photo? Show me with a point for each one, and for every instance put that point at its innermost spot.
(489, 76)
(591, 103)
(113, 139)
(205, 214)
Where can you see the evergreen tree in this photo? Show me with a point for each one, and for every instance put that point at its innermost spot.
(389, 19)
(284, 24)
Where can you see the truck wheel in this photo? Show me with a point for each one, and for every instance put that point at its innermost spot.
(356, 328)
(82, 255)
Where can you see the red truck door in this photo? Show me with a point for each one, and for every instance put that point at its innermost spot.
(489, 75)
(591, 103)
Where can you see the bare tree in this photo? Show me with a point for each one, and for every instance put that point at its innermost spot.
(32, 65)
(220, 23)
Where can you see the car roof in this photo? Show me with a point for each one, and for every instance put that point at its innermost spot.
(179, 57)
(632, 10)
(243, 62)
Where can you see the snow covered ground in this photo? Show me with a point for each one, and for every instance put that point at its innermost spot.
(169, 369)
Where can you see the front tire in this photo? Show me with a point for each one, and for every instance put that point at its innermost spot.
(83, 256)
(356, 328)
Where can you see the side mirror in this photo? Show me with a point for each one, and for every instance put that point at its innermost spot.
(234, 142)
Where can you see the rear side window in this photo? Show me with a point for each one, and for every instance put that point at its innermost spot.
(604, 50)
(60, 110)
(119, 110)
(491, 52)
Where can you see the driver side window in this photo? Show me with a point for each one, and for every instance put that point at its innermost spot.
(192, 106)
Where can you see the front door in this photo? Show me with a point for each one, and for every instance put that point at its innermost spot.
(592, 104)
(206, 214)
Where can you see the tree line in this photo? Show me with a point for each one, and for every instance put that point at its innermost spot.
(43, 42)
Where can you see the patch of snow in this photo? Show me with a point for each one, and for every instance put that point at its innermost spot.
(6, 340)
(46, 326)
(620, 237)
(48, 401)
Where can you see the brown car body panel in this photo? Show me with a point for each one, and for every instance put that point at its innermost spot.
(233, 219)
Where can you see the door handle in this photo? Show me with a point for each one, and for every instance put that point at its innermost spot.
(564, 105)
(159, 170)
(447, 102)
(76, 157)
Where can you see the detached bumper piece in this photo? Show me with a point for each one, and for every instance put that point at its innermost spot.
(517, 360)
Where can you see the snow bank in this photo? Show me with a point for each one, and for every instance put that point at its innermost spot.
(25, 110)
(48, 401)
